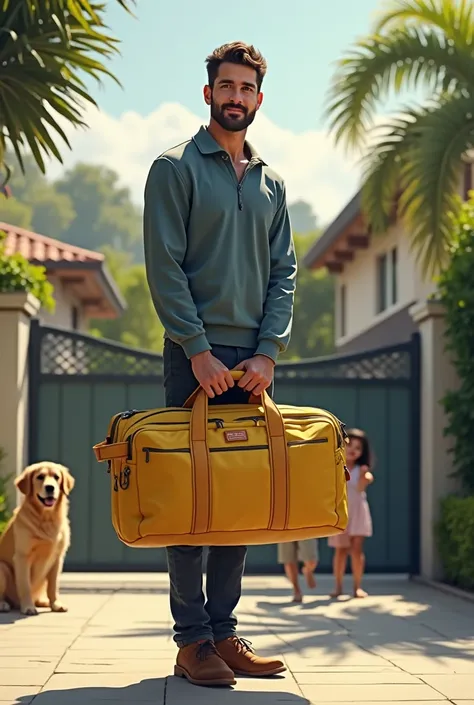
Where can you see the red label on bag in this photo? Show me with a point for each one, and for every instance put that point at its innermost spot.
(233, 436)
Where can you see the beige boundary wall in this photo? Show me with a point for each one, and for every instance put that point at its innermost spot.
(16, 310)
(437, 377)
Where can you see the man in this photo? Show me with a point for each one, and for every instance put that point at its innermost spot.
(221, 269)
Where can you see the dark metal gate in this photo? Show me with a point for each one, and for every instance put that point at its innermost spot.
(77, 382)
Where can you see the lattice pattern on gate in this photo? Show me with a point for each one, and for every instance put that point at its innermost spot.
(385, 364)
(77, 382)
(67, 353)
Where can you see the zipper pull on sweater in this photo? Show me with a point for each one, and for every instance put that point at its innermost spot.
(239, 197)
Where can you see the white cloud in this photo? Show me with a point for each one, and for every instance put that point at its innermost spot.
(314, 170)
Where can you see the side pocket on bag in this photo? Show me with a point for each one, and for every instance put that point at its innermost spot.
(126, 501)
(341, 488)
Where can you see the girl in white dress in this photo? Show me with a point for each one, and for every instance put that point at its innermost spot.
(351, 541)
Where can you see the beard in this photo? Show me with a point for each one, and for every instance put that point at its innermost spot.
(235, 123)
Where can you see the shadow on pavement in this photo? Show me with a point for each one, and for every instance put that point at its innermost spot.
(418, 620)
(12, 617)
(414, 619)
(160, 691)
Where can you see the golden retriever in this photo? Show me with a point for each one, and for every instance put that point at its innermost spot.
(36, 539)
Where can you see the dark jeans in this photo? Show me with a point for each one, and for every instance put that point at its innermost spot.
(195, 618)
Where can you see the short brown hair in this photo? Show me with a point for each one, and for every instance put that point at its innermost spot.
(236, 53)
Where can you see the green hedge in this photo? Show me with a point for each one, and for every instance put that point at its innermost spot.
(455, 534)
(455, 530)
(18, 274)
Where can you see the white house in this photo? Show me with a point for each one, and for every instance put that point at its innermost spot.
(381, 300)
(377, 278)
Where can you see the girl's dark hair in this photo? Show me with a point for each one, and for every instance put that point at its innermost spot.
(366, 458)
(236, 53)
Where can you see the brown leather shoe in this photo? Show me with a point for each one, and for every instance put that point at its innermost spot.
(201, 665)
(241, 658)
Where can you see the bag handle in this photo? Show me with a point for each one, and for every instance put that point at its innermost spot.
(200, 457)
(236, 374)
(105, 451)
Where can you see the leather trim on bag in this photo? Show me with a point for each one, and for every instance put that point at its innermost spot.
(200, 466)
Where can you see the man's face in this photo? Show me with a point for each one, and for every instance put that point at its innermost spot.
(234, 98)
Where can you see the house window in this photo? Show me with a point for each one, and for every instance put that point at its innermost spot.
(75, 318)
(381, 283)
(387, 275)
(342, 310)
(394, 275)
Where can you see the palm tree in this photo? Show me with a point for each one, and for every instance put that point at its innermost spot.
(415, 158)
(43, 48)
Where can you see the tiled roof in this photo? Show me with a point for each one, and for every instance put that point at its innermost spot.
(38, 247)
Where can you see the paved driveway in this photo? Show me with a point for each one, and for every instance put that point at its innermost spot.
(405, 643)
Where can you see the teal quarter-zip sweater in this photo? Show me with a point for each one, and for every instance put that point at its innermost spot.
(219, 254)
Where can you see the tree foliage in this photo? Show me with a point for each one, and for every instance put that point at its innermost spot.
(15, 212)
(455, 535)
(104, 211)
(303, 219)
(45, 47)
(87, 207)
(455, 528)
(139, 326)
(456, 291)
(313, 321)
(35, 202)
(418, 153)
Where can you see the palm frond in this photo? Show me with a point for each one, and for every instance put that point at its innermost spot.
(418, 162)
(406, 59)
(382, 166)
(44, 46)
(127, 5)
(60, 7)
(430, 178)
(454, 18)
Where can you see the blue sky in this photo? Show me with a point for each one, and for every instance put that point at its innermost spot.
(164, 49)
(162, 70)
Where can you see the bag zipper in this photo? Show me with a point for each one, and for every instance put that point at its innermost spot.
(341, 435)
(123, 415)
(129, 440)
(124, 480)
(219, 422)
(285, 418)
(132, 412)
(147, 450)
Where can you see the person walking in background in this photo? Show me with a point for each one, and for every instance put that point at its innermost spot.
(292, 553)
(358, 461)
(221, 268)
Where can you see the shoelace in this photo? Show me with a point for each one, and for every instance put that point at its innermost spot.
(244, 644)
(206, 649)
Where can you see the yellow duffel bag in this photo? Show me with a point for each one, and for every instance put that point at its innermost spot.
(223, 475)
